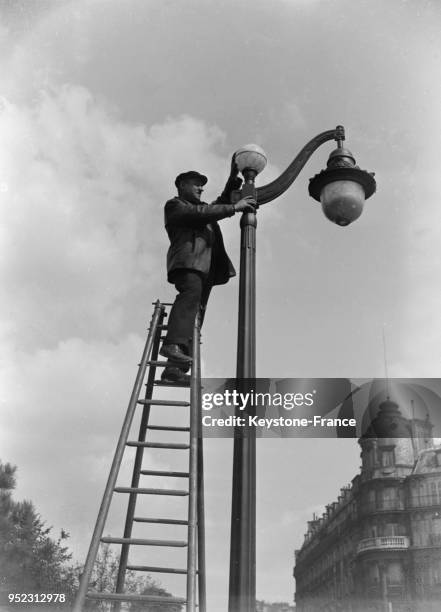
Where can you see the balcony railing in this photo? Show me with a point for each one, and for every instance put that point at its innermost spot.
(383, 542)
(421, 501)
(384, 505)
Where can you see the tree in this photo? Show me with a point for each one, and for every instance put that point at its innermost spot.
(30, 560)
(155, 589)
(104, 579)
(33, 562)
(7, 483)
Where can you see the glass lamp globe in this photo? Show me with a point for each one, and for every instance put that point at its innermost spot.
(342, 188)
(251, 157)
(342, 201)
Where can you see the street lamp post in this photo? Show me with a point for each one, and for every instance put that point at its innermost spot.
(243, 512)
(341, 188)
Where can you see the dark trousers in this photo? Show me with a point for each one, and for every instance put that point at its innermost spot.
(193, 292)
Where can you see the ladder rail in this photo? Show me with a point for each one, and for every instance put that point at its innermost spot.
(116, 463)
(194, 519)
(192, 484)
(137, 466)
(202, 590)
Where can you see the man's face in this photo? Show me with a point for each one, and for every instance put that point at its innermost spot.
(191, 190)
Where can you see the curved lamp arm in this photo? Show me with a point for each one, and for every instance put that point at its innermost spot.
(273, 190)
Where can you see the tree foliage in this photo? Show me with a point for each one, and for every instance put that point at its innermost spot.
(104, 579)
(157, 590)
(30, 560)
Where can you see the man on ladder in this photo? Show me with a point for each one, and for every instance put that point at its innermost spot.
(196, 260)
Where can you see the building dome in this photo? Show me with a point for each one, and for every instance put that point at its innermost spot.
(388, 407)
(388, 422)
(407, 400)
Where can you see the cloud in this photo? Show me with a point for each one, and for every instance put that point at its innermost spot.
(84, 255)
(81, 199)
(62, 410)
(85, 170)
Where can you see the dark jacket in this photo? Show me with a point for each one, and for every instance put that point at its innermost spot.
(195, 237)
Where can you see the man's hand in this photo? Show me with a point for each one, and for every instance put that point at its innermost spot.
(247, 204)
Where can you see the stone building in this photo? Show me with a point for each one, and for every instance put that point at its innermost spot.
(378, 547)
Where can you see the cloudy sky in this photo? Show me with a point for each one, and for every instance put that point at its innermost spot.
(102, 104)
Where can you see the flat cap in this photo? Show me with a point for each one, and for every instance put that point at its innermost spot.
(191, 174)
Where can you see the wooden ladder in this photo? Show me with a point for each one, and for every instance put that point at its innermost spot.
(195, 543)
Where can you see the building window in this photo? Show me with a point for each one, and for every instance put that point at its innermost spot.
(395, 573)
(436, 571)
(371, 501)
(387, 457)
(435, 531)
(392, 529)
(389, 498)
(372, 573)
(434, 492)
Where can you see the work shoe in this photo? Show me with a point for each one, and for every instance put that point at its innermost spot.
(174, 353)
(175, 375)
(185, 367)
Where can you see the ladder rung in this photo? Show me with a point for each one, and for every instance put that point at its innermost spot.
(162, 383)
(167, 428)
(158, 402)
(159, 364)
(161, 570)
(140, 542)
(140, 519)
(164, 473)
(134, 597)
(163, 303)
(150, 491)
(158, 445)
